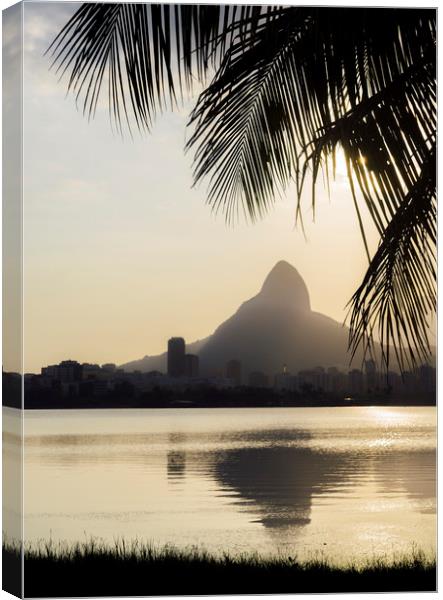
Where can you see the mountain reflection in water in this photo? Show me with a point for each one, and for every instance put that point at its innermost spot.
(275, 475)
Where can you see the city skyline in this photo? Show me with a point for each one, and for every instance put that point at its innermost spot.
(182, 384)
(70, 380)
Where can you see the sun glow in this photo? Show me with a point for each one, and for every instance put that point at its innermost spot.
(341, 169)
(340, 164)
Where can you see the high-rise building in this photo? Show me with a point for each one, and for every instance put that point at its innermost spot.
(191, 365)
(320, 379)
(307, 379)
(176, 357)
(234, 371)
(285, 381)
(335, 381)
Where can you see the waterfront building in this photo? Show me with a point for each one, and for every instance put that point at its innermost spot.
(427, 378)
(191, 365)
(285, 381)
(69, 371)
(372, 378)
(92, 371)
(335, 381)
(176, 357)
(319, 378)
(51, 371)
(355, 381)
(234, 371)
(307, 379)
(394, 382)
(258, 379)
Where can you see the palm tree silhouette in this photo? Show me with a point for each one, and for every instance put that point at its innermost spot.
(283, 89)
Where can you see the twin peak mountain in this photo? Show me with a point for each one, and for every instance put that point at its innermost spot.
(275, 327)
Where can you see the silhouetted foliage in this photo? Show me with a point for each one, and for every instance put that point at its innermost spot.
(285, 88)
(92, 569)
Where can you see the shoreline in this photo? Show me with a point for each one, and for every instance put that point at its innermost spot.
(132, 403)
(127, 569)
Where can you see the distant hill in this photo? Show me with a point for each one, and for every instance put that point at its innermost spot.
(275, 327)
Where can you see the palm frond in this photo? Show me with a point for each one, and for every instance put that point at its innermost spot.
(398, 292)
(147, 54)
(246, 125)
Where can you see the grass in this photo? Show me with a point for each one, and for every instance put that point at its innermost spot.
(136, 569)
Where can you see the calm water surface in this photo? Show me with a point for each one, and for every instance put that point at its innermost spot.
(344, 482)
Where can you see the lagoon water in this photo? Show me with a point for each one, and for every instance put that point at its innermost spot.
(346, 483)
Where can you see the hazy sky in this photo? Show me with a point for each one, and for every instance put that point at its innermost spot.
(121, 253)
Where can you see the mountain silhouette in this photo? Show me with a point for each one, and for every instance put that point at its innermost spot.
(275, 327)
(284, 285)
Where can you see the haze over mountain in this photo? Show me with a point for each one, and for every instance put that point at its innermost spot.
(275, 327)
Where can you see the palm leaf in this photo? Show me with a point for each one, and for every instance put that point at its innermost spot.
(398, 292)
(146, 53)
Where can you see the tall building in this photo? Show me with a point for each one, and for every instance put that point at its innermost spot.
(336, 381)
(320, 379)
(307, 379)
(176, 357)
(234, 371)
(191, 365)
(285, 381)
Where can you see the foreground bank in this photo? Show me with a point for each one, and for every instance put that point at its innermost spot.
(141, 570)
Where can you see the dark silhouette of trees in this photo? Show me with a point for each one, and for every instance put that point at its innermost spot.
(285, 87)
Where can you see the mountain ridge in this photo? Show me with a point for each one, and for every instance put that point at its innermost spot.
(276, 326)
